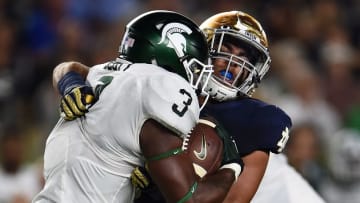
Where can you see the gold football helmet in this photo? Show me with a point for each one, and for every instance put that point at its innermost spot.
(244, 31)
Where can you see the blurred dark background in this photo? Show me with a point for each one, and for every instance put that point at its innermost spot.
(314, 77)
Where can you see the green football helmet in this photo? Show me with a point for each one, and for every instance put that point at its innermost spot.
(171, 41)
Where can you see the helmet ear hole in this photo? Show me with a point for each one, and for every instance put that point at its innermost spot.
(153, 61)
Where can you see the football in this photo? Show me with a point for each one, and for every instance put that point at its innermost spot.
(205, 148)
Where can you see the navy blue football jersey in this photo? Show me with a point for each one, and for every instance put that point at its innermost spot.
(254, 124)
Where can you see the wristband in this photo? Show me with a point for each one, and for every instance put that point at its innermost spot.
(70, 80)
(233, 166)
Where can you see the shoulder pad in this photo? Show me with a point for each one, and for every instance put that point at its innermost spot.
(254, 124)
(170, 100)
(273, 127)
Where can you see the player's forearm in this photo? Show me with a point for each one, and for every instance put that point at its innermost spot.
(248, 182)
(65, 67)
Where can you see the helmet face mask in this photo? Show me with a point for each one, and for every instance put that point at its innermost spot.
(231, 31)
(171, 41)
(201, 76)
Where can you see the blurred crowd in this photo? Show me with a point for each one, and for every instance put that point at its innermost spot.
(314, 77)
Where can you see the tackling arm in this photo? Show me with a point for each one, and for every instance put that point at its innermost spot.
(65, 67)
(69, 82)
(175, 175)
(248, 182)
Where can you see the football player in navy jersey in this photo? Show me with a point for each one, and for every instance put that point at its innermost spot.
(240, 55)
(239, 52)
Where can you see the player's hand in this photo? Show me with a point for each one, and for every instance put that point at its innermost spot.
(145, 188)
(76, 101)
(231, 157)
(140, 178)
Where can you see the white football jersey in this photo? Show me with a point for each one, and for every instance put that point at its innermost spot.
(282, 184)
(91, 158)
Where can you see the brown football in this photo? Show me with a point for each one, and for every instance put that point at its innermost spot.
(205, 148)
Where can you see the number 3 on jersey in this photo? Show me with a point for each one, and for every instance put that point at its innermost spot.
(180, 109)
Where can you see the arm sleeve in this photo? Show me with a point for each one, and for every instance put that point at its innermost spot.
(273, 128)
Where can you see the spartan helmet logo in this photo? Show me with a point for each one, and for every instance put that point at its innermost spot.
(177, 41)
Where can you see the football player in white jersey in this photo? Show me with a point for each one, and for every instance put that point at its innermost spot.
(144, 103)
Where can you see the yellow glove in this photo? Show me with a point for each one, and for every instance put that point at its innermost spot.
(75, 102)
(145, 189)
(140, 178)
